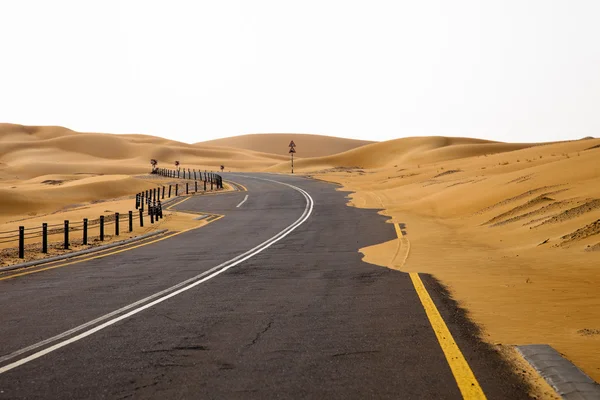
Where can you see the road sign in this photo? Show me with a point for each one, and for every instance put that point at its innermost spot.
(292, 150)
(292, 144)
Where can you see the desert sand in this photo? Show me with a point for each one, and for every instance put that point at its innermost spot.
(43, 169)
(277, 143)
(511, 229)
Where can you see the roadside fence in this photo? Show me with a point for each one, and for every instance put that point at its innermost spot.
(209, 178)
(148, 201)
(106, 224)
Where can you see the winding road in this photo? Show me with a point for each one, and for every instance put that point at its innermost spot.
(270, 301)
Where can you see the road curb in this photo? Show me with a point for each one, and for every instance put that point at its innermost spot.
(569, 381)
(81, 252)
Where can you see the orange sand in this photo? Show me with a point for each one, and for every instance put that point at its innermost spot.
(277, 143)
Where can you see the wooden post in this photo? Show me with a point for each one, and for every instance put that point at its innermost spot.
(66, 234)
(85, 229)
(163, 193)
(196, 183)
(186, 188)
(21, 242)
(205, 185)
(130, 221)
(176, 189)
(169, 190)
(102, 227)
(116, 224)
(44, 238)
(141, 218)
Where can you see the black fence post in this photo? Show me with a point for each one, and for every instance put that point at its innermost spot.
(152, 215)
(211, 184)
(116, 224)
(163, 193)
(196, 183)
(85, 228)
(130, 221)
(102, 227)
(176, 189)
(137, 201)
(141, 218)
(66, 234)
(160, 213)
(205, 185)
(194, 174)
(186, 188)
(169, 190)
(154, 194)
(21, 242)
(44, 238)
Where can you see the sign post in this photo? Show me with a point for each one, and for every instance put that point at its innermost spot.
(292, 147)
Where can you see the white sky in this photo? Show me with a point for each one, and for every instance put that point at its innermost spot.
(510, 70)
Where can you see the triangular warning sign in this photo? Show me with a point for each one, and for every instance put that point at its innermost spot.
(292, 150)
(292, 144)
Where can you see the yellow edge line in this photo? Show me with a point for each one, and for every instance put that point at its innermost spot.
(179, 202)
(467, 383)
(398, 231)
(108, 254)
(465, 379)
(239, 184)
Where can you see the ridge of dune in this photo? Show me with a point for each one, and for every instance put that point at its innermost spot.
(46, 168)
(410, 149)
(30, 151)
(308, 145)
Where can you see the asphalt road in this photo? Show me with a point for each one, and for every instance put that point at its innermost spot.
(299, 315)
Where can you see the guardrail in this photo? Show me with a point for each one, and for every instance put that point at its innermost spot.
(206, 177)
(85, 226)
(149, 200)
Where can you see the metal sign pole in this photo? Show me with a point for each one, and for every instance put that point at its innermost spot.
(292, 146)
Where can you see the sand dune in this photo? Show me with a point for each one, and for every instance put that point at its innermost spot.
(277, 143)
(27, 152)
(413, 149)
(94, 166)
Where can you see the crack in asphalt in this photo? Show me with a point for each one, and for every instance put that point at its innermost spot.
(259, 334)
(351, 353)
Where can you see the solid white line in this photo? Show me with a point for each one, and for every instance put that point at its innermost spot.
(183, 286)
(243, 201)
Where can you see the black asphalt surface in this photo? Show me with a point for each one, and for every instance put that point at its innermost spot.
(304, 318)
